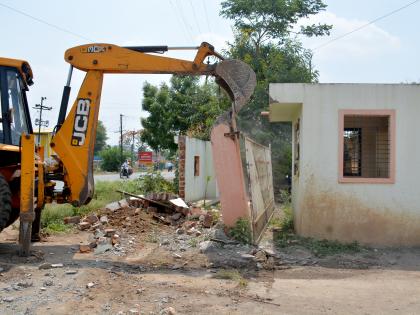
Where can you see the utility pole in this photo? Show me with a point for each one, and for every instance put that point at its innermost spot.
(132, 148)
(121, 139)
(39, 122)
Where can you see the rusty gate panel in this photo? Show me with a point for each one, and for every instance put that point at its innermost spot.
(259, 180)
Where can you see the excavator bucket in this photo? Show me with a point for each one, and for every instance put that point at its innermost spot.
(237, 79)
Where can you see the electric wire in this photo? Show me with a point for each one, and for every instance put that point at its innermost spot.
(195, 17)
(365, 25)
(187, 25)
(59, 28)
(207, 16)
(184, 28)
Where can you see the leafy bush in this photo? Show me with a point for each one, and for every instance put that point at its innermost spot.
(241, 231)
(111, 159)
(154, 182)
(287, 221)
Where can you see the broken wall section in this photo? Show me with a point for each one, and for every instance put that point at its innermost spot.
(197, 179)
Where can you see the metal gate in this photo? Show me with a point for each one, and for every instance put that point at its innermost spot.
(259, 179)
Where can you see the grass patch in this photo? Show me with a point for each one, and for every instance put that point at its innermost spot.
(241, 231)
(233, 275)
(105, 192)
(319, 248)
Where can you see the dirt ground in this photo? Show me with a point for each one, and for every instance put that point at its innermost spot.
(155, 272)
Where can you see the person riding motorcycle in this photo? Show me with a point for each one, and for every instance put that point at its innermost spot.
(125, 169)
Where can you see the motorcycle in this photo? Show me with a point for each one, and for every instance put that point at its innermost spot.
(125, 171)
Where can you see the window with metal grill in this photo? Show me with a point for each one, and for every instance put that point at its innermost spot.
(366, 146)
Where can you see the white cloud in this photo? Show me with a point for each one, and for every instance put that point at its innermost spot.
(370, 41)
(219, 42)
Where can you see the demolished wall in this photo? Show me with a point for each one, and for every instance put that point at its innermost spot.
(197, 179)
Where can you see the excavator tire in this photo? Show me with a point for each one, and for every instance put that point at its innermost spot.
(5, 203)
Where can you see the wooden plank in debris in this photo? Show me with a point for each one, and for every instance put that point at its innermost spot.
(144, 198)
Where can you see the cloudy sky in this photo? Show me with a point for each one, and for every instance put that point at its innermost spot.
(386, 51)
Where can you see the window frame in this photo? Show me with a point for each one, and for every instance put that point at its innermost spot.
(4, 102)
(392, 136)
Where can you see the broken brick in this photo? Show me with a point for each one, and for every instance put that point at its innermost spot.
(92, 218)
(72, 220)
(84, 248)
(84, 226)
(208, 220)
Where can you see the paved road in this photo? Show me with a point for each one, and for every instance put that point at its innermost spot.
(116, 176)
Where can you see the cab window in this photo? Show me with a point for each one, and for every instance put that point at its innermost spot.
(18, 123)
(1, 124)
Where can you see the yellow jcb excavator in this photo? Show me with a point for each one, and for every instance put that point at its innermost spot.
(27, 182)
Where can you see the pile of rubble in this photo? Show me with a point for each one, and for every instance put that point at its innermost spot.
(136, 215)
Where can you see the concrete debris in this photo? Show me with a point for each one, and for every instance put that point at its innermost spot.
(123, 203)
(207, 246)
(133, 311)
(104, 219)
(71, 272)
(72, 220)
(90, 285)
(178, 202)
(8, 299)
(102, 248)
(113, 206)
(57, 265)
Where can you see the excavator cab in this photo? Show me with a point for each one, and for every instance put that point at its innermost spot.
(15, 77)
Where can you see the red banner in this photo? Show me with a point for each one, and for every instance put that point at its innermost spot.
(145, 157)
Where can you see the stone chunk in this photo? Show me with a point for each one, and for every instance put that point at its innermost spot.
(104, 219)
(123, 203)
(113, 206)
(45, 266)
(206, 246)
(92, 218)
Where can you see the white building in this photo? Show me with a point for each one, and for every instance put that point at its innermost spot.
(356, 160)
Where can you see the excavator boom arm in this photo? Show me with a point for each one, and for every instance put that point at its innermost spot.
(75, 138)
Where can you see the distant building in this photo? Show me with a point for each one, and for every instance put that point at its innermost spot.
(45, 136)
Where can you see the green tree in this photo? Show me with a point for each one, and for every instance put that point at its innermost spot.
(184, 107)
(111, 158)
(101, 137)
(266, 38)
